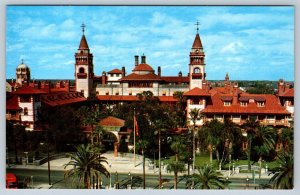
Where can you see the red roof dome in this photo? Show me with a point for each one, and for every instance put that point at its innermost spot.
(143, 67)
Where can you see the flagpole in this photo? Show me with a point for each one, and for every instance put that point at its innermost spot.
(134, 135)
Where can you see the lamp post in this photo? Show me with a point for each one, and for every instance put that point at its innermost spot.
(227, 182)
(109, 175)
(247, 182)
(117, 182)
(129, 179)
(26, 155)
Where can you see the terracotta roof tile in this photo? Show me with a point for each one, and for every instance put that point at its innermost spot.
(112, 122)
(83, 43)
(145, 77)
(272, 106)
(12, 103)
(288, 93)
(175, 79)
(26, 90)
(115, 71)
(197, 42)
(197, 92)
(143, 67)
(63, 98)
(132, 98)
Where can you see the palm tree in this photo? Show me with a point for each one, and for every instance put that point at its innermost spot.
(142, 144)
(176, 167)
(209, 178)
(86, 163)
(284, 175)
(195, 114)
(250, 128)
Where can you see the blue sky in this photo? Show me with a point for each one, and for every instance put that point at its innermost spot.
(248, 42)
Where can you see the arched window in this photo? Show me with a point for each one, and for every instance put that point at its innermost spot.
(25, 111)
(81, 70)
(196, 70)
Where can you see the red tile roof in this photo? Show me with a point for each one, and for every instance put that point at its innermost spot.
(143, 67)
(117, 98)
(197, 42)
(145, 77)
(288, 93)
(272, 106)
(83, 43)
(132, 98)
(26, 90)
(175, 79)
(167, 99)
(197, 92)
(112, 122)
(63, 98)
(115, 71)
(12, 103)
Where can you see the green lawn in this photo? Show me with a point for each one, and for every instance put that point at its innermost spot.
(203, 159)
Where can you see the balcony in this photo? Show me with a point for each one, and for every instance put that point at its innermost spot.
(82, 75)
(11, 117)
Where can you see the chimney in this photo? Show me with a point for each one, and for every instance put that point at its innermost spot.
(103, 78)
(68, 85)
(180, 77)
(159, 71)
(39, 85)
(235, 93)
(143, 59)
(136, 60)
(123, 71)
(281, 87)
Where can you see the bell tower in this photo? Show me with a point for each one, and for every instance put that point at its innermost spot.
(84, 68)
(197, 62)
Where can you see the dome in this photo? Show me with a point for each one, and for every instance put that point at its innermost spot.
(22, 66)
(143, 67)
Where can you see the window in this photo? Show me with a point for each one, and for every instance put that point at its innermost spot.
(25, 111)
(81, 70)
(107, 93)
(82, 91)
(196, 70)
(227, 103)
(25, 98)
(243, 103)
(260, 104)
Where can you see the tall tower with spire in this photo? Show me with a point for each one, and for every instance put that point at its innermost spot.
(84, 68)
(197, 63)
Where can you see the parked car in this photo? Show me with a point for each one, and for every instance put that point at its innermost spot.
(11, 181)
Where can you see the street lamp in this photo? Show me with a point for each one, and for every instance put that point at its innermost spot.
(26, 154)
(117, 182)
(227, 182)
(129, 179)
(247, 182)
(109, 175)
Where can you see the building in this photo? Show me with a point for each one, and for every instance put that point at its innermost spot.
(219, 103)
(116, 86)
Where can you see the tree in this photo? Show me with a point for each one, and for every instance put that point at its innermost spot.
(195, 114)
(86, 163)
(180, 112)
(176, 167)
(250, 129)
(210, 135)
(208, 178)
(284, 175)
(142, 145)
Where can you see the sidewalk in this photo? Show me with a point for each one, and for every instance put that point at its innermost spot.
(125, 164)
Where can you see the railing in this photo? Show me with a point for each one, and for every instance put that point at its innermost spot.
(174, 86)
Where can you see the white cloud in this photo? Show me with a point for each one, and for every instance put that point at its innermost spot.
(233, 48)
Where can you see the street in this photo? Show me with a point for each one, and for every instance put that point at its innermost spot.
(40, 177)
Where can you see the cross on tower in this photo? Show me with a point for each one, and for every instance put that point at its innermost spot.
(83, 26)
(197, 24)
(22, 60)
